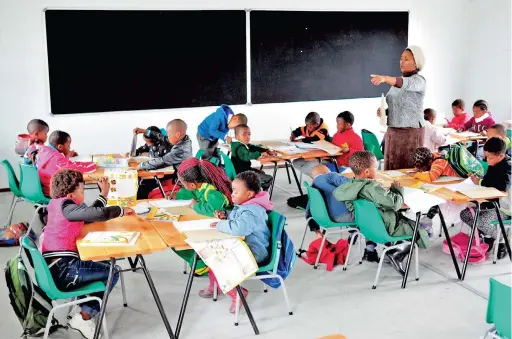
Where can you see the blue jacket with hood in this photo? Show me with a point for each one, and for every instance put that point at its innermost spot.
(215, 126)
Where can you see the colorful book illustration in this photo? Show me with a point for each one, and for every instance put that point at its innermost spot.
(123, 187)
(159, 214)
(110, 238)
(165, 203)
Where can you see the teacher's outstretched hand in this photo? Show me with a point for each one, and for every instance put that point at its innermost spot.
(379, 79)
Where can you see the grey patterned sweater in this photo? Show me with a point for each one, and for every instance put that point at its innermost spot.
(405, 104)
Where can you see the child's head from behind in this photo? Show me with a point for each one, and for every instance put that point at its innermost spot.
(344, 121)
(422, 159)
(363, 164)
(176, 130)
(38, 130)
(237, 119)
(458, 107)
(497, 131)
(480, 107)
(245, 187)
(429, 114)
(67, 183)
(194, 172)
(243, 134)
(149, 135)
(312, 121)
(61, 141)
(494, 150)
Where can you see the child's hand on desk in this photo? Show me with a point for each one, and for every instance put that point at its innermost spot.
(171, 194)
(127, 211)
(484, 133)
(213, 224)
(219, 214)
(104, 186)
(395, 183)
(73, 154)
(293, 137)
(474, 179)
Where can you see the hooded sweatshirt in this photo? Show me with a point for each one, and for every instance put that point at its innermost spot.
(49, 161)
(215, 126)
(387, 202)
(320, 133)
(249, 220)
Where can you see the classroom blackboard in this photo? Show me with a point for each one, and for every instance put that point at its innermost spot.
(305, 56)
(101, 61)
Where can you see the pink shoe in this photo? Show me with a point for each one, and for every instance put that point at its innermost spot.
(208, 292)
(232, 308)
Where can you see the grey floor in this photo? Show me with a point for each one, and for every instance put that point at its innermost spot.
(324, 303)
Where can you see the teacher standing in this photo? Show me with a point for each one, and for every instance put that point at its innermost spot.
(405, 123)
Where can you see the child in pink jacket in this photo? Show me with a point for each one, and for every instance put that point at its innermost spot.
(51, 158)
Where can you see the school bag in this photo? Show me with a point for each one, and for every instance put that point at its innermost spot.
(10, 236)
(463, 162)
(478, 252)
(286, 260)
(332, 254)
(30, 304)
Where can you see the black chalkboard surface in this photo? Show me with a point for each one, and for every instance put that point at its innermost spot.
(304, 56)
(137, 60)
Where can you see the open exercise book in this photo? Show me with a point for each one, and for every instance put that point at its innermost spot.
(419, 201)
(469, 189)
(110, 238)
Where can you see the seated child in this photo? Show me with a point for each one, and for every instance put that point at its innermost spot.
(497, 176)
(38, 131)
(389, 203)
(460, 117)
(179, 148)
(314, 130)
(479, 123)
(434, 136)
(66, 217)
(216, 126)
(155, 144)
(247, 219)
(55, 156)
(499, 131)
(345, 137)
(210, 190)
(242, 152)
(429, 167)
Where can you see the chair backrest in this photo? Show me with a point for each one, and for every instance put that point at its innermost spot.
(317, 206)
(42, 272)
(499, 308)
(14, 184)
(31, 185)
(371, 143)
(276, 223)
(199, 154)
(370, 222)
(229, 168)
(484, 164)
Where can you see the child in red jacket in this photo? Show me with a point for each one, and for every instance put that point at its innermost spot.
(460, 117)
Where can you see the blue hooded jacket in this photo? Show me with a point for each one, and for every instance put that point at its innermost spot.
(215, 126)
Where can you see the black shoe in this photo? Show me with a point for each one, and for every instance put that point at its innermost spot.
(371, 256)
(400, 255)
(489, 241)
(299, 202)
(502, 251)
(350, 237)
(397, 265)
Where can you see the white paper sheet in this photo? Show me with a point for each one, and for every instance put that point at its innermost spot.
(347, 171)
(445, 179)
(142, 208)
(419, 201)
(195, 225)
(393, 174)
(164, 203)
(305, 145)
(165, 169)
(466, 184)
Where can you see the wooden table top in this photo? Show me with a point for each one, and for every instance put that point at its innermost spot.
(149, 240)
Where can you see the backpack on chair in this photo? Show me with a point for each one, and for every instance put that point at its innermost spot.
(463, 162)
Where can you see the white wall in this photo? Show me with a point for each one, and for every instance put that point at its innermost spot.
(439, 26)
(489, 56)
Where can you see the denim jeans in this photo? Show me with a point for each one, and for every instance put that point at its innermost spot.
(71, 273)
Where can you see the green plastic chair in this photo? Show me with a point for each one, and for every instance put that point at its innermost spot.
(276, 223)
(213, 160)
(484, 164)
(229, 168)
(372, 227)
(509, 133)
(45, 281)
(30, 187)
(14, 186)
(320, 214)
(499, 310)
(371, 143)
(507, 223)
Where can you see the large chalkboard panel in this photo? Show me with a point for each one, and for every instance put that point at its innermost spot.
(136, 60)
(303, 56)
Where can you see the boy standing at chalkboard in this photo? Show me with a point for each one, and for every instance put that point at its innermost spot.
(216, 126)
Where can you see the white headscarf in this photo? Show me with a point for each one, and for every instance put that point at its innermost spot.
(418, 55)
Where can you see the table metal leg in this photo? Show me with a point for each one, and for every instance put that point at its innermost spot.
(296, 178)
(273, 179)
(288, 172)
(413, 241)
(108, 288)
(247, 310)
(471, 237)
(159, 183)
(186, 295)
(502, 227)
(156, 297)
(449, 242)
(133, 263)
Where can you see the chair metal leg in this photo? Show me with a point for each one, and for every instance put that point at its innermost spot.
(379, 268)
(123, 288)
(48, 324)
(496, 244)
(503, 230)
(265, 288)
(413, 242)
(361, 247)
(470, 242)
(185, 267)
(285, 293)
(300, 251)
(352, 241)
(8, 221)
(237, 310)
(320, 251)
(417, 257)
(288, 172)
(215, 292)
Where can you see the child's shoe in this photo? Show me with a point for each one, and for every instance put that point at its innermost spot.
(232, 308)
(208, 292)
(85, 327)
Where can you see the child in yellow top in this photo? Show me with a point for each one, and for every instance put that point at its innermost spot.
(429, 168)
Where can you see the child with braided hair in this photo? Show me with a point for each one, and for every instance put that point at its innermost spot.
(429, 167)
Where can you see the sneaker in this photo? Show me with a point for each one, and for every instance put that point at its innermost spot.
(208, 292)
(502, 251)
(371, 256)
(232, 308)
(85, 327)
(490, 242)
(76, 309)
(397, 265)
